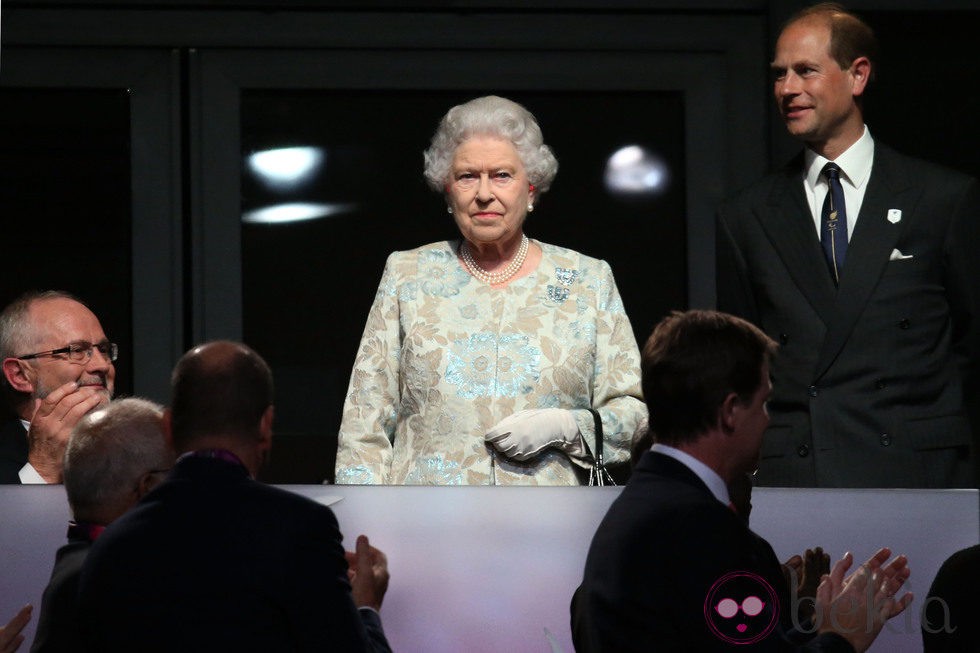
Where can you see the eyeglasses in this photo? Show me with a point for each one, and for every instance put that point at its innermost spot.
(79, 352)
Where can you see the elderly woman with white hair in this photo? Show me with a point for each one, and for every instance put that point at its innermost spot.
(490, 360)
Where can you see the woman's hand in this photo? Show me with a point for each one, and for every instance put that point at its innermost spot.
(527, 433)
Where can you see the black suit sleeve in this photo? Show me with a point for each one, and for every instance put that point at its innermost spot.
(961, 271)
(377, 642)
(322, 589)
(733, 289)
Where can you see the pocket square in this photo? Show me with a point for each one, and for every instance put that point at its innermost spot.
(896, 255)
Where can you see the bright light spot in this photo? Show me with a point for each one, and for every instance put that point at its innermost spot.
(626, 156)
(286, 167)
(295, 212)
(634, 171)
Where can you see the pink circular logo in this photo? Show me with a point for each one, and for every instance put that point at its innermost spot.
(741, 608)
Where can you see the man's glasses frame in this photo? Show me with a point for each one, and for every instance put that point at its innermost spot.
(79, 352)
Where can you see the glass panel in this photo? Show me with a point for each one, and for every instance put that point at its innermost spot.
(65, 166)
(307, 285)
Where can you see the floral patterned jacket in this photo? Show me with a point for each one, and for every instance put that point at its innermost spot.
(444, 358)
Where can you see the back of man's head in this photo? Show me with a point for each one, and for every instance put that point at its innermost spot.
(219, 389)
(110, 453)
(691, 362)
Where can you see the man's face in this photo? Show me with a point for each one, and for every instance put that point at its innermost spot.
(816, 98)
(753, 421)
(58, 323)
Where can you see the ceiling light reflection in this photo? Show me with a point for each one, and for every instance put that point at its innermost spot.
(295, 212)
(634, 171)
(286, 167)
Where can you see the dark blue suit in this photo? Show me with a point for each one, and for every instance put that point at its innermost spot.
(211, 560)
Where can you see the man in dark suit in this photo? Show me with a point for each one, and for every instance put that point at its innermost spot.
(672, 566)
(213, 560)
(57, 366)
(861, 263)
(114, 457)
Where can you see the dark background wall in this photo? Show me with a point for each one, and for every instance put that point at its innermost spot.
(126, 126)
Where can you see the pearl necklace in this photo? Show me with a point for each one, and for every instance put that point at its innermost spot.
(494, 278)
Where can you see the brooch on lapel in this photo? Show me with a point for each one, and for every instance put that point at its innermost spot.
(565, 278)
(894, 215)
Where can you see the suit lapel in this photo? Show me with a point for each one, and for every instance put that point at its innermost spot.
(789, 227)
(868, 252)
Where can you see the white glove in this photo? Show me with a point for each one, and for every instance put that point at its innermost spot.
(527, 433)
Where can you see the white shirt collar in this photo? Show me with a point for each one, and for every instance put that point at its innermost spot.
(707, 475)
(855, 162)
(27, 474)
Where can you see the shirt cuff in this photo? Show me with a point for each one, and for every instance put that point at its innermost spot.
(29, 476)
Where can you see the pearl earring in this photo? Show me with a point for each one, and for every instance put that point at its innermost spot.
(449, 210)
(530, 207)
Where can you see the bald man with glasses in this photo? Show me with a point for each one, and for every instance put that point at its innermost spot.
(57, 367)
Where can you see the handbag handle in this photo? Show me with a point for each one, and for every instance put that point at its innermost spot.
(598, 475)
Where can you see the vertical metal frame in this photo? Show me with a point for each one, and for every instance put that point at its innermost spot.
(152, 79)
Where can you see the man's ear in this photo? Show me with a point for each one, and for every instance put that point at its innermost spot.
(147, 482)
(727, 412)
(861, 74)
(15, 371)
(265, 428)
(167, 422)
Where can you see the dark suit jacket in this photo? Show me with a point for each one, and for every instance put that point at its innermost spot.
(870, 379)
(211, 560)
(57, 625)
(949, 623)
(662, 559)
(13, 450)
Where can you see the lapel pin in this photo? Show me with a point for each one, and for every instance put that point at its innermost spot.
(894, 215)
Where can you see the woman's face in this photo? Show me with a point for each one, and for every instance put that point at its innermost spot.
(488, 190)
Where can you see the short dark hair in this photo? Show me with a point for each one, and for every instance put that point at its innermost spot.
(691, 362)
(219, 388)
(850, 37)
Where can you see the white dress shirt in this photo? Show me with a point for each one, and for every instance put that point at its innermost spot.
(27, 474)
(707, 475)
(855, 165)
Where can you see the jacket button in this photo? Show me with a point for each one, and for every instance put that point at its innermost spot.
(880, 384)
(783, 338)
(903, 323)
(812, 391)
(803, 451)
(885, 439)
